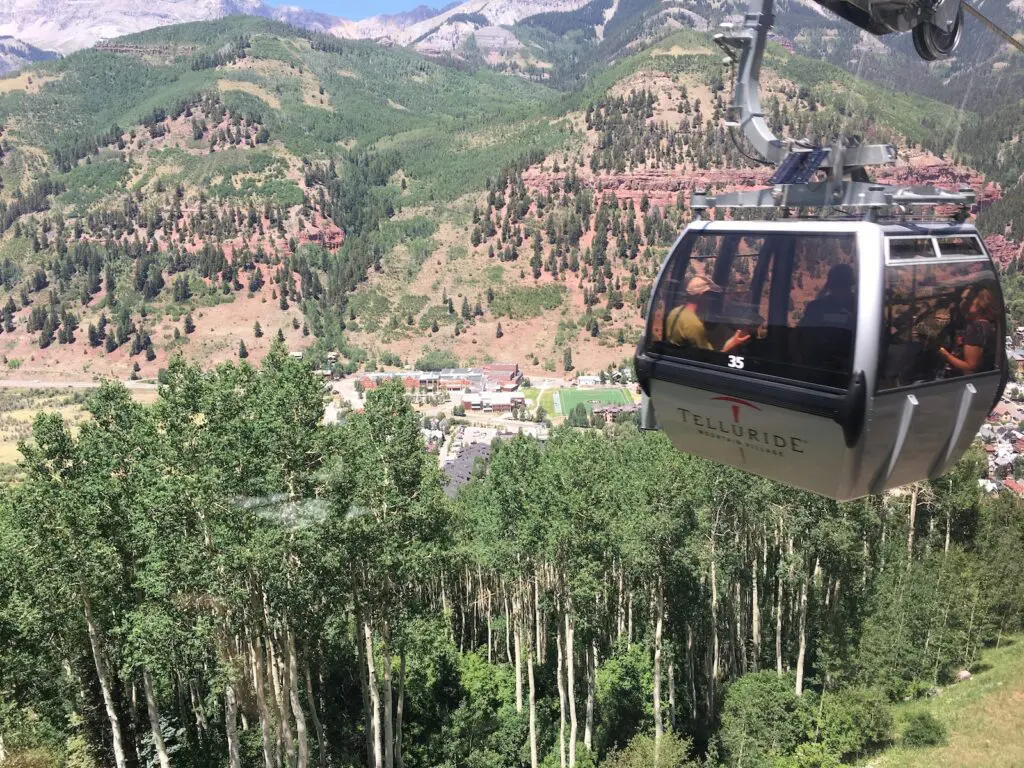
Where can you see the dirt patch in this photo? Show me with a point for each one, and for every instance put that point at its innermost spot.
(678, 50)
(28, 82)
(252, 89)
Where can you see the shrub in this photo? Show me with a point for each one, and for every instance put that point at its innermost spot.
(763, 718)
(923, 730)
(854, 720)
(458, 410)
(673, 752)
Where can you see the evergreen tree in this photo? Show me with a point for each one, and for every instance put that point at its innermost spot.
(257, 330)
(189, 325)
(567, 360)
(242, 351)
(499, 332)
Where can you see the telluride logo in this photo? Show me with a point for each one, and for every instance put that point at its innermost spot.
(739, 434)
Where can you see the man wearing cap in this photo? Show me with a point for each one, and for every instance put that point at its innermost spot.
(685, 327)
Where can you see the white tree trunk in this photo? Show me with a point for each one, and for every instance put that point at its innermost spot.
(261, 703)
(301, 731)
(802, 653)
(672, 692)
(231, 725)
(400, 709)
(560, 677)
(154, 720)
(588, 728)
(517, 619)
(570, 676)
(659, 613)
(913, 522)
(321, 738)
(755, 616)
(389, 721)
(533, 704)
(101, 673)
(778, 627)
(371, 685)
(285, 738)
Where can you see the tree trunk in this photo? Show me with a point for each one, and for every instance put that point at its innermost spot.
(802, 652)
(301, 731)
(197, 707)
(715, 651)
(508, 638)
(371, 684)
(321, 739)
(672, 692)
(560, 677)
(231, 725)
(389, 717)
(261, 703)
(400, 708)
(621, 618)
(517, 618)
(755, 616)
(533, 701)
(154, 720)
(588, 728)
(570, 677)
(539, 621)
(778, 626)
(913, 522)
(945, 549)
(281, 691)
(659, 613)
(101, 673)
(364, 685)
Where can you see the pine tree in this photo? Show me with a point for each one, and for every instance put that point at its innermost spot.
(567, 359)
(280, 335)
(190, 325)
(242, 351)
(498, 333)
(257, 330)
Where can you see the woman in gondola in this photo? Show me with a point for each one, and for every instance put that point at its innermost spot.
(979, 345)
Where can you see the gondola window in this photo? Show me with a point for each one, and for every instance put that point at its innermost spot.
(785, 303)
(941, 320)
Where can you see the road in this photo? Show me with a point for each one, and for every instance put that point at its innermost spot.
(50, 384)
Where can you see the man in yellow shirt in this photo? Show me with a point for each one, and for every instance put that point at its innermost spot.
(684, 326)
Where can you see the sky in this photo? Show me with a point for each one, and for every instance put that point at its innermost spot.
(360, 9)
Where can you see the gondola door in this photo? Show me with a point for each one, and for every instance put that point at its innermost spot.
(942, 363)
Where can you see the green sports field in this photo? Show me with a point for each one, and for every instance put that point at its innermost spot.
(570, 398)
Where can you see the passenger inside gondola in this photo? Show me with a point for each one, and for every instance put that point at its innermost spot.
(824, 335)
(979, 340)
(685, 325)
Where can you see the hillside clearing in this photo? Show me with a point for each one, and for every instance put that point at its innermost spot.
(984, 717)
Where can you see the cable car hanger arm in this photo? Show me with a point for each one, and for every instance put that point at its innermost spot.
(745, 47)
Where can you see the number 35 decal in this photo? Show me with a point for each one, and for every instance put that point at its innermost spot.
(735, 362)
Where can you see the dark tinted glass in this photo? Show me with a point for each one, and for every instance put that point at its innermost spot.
(781, 304)
(929, 308)
(960, 245)
(911, 248)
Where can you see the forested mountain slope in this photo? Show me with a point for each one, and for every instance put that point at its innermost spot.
(220, 579)
(209, 186)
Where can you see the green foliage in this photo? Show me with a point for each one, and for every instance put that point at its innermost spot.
(763, 718)
(672, 752)
(436, 360)
(524, 302)
(923, 730)
(852, 721)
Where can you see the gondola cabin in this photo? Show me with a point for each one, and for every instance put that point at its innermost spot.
(841, 357)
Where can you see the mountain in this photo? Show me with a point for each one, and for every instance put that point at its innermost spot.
(15, 54)
(368, 199)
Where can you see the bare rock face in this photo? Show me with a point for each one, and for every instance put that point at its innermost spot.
(67, 25)
(962, 675)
